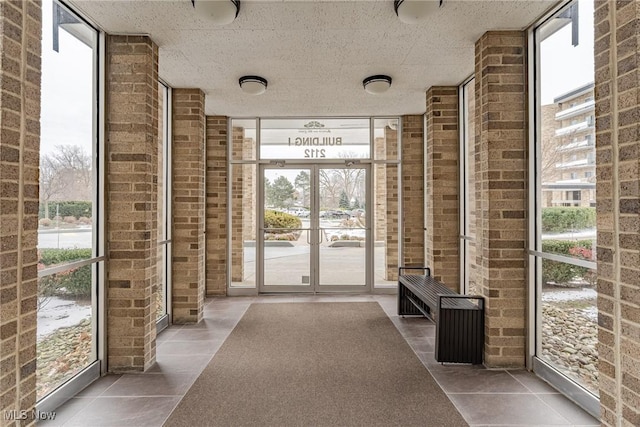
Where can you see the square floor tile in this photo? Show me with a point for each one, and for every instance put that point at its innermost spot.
(67, 411)
(569, 410)
(467, 379)
(531, 381)
(125, 411)
(506, 409)
(190, 348)
(97, 387)
(151, 384)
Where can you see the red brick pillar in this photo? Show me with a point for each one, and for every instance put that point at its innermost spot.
(131, 196)
(501, 193)
(217, 205)
(443, 186)
(617, 97)
(20, 33)
(188, 260)
(413, 189)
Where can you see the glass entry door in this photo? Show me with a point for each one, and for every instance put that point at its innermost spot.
(314, 234)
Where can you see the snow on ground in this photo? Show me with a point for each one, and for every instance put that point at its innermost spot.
(569, 294)
(60, 313)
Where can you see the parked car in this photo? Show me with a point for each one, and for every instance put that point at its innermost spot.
(334, 214)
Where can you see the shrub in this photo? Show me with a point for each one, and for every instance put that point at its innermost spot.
(560, 272)
(75, 209)
(45, 222)
(560, 219)
(275, 219)
(74, 282)
(58, 256)
(69, 220)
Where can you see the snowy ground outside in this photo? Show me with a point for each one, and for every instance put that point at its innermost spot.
(568, 294)
(61, 313)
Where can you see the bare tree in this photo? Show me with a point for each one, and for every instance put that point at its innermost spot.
(65, 174)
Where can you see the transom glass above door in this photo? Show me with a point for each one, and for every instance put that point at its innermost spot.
(315, 139)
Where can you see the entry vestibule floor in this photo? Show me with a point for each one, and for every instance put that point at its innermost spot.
(483, 397)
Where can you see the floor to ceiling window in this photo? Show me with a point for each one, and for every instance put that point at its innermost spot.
(69, 238)
(468, 188)
(164, 206)
(564, 238)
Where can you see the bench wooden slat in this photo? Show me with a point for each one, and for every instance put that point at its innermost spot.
(459, 318)
(428, 289)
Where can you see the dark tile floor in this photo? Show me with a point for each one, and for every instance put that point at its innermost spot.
(483, 397)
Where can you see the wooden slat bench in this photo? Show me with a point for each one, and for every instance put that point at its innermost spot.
(459, 319)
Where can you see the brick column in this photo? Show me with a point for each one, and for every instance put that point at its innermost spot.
(617, 96)
(131, 195)
(501, 193)
(413, 189)
(216, 268)
(20, 32)
(443, 185)
(188, 167)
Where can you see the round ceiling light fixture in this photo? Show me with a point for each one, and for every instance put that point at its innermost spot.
(377, 84)
(219, 12)
(253, 85)
(413, 11)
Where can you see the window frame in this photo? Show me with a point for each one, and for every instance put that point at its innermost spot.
(97, 365)
(545, 370)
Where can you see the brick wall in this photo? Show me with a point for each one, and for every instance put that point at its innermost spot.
(216, 268)
(188, 257)
(386, 202)
(413, 189)
(393, 206)
(20, 32)
(617, 96)
(442, 180)
(501, 193)
(237, 214)
(131, 195)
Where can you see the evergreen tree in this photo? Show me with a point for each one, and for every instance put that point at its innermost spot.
(344, 200)
(282, 192)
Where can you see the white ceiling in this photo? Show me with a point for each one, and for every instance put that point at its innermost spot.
(314, 54)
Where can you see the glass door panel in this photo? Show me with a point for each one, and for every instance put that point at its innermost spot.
(342, 218)
(286, 234)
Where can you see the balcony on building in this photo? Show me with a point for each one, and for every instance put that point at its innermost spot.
(586, 107)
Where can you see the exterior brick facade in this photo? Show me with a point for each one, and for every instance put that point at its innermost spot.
(131, 195)
(501, 193)
(188, 259)
(442, 185)
(412, 182)
(216, 268)
(617, 90)
(20, 69)
(386, 201)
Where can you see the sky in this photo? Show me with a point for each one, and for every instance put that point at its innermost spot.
(67, 86)
(564, 67)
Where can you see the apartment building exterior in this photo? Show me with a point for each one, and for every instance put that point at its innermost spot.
(568, 149)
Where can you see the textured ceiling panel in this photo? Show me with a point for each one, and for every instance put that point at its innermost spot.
(314, 54)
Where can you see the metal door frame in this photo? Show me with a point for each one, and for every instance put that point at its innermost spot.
(314, 230)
